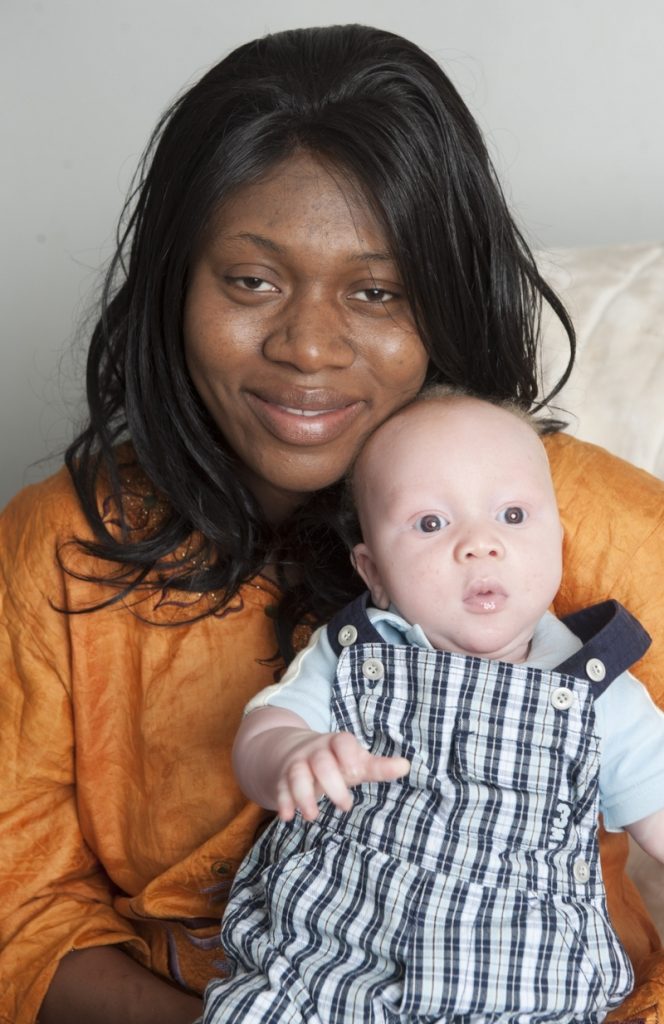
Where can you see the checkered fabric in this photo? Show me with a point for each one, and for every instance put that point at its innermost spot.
(468, 892)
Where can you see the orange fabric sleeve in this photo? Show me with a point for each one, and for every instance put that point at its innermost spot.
(120, 820)
(613, 516)
(53, 894)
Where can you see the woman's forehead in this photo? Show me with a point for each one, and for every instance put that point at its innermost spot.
(304, 189)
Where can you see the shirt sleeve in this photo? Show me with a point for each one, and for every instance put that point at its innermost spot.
(306, 686)
(631, 777)
(53, 893)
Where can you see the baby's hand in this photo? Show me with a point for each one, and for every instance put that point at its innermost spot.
(329, 763)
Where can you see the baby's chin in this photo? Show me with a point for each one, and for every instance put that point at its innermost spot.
(493, 647)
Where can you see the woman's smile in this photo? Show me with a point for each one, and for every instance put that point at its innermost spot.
(305, 418)
(298, 336)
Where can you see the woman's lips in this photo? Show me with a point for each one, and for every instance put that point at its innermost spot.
(485, 596)
(307, 418)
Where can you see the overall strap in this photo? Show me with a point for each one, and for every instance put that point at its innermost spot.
(612, 641)
(351, 625)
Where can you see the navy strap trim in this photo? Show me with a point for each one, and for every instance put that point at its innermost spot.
(611, 635)
(354, 614)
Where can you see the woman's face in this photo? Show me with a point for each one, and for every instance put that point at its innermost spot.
(298, 336)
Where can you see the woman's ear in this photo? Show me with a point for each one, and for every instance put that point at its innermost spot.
(364, 564)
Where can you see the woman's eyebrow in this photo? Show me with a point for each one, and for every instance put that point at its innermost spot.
(259, 240)
(364, 257)
(378, 255)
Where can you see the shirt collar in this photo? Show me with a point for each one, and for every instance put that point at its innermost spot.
(412, 634)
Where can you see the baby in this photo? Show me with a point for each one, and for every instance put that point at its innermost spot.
(438, 758)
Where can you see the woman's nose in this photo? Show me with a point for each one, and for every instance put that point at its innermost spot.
(479, 543)
(311, 336)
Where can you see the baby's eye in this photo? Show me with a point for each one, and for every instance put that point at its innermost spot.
(430, 523)
(513, 515)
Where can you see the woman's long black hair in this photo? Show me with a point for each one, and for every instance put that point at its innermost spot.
(386, 115)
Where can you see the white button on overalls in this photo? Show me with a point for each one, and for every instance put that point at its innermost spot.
(373, 669)
(347, 636)
(581, 870)
(562, 698)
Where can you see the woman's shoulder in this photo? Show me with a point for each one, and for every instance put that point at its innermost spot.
(55, 500)
(608, 507)
(33, 527)
(574, 462)
(44, 507)
(45, 515)
(603, 498)
(613, 521)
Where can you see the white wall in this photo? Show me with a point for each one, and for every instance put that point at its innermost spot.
(571, 94)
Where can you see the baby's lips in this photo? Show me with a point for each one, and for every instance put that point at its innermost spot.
(485, 585)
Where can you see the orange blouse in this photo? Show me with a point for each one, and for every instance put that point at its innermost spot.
(120, 820)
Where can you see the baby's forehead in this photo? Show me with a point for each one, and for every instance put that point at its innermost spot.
(459, 420)
(439, 433)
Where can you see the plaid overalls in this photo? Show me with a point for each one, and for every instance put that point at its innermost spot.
(468, 892)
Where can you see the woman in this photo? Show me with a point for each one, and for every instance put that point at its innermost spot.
(317, 232)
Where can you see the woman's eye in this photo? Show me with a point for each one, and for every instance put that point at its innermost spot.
(513, 515)
(253, 284)
(377, 296)
(430, 523)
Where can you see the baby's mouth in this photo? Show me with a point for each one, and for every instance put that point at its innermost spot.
(485, 595)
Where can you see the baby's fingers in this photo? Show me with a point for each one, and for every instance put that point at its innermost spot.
(330, 779)
(385, 769)
(297, 789)
(358, 765)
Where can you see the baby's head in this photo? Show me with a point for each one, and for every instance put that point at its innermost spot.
(460, 527)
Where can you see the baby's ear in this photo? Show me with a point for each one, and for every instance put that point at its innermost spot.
(364, 564)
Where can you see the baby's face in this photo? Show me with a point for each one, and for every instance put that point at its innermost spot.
(460, 525)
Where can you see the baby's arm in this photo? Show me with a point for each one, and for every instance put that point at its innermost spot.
(282, 764)
(649, 834)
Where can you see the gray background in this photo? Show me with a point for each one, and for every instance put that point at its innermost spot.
(570, 94)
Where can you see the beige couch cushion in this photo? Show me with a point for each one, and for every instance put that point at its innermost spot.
(615, 396)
